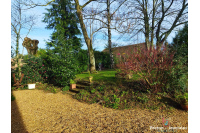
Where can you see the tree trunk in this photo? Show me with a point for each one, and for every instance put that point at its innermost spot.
(109, 35)
(17, 56)
(87, 39)
(146, 22)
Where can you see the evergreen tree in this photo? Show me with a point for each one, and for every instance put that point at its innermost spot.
(180, 45)
(64, 44)
(62, 19)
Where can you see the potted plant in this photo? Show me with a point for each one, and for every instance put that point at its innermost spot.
(72, 84)
(31, 84)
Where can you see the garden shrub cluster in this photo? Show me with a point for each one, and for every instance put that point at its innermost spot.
(151, 65)
(112, 96)
(34, 69)
(103, 58)
(100, 57)
(179, 75)
(61, 67)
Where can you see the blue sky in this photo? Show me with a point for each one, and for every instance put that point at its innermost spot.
(40, 33)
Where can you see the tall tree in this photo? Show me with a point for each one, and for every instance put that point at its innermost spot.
(156, 19)
(88, 40)
(62, 19)
(105, 18)
(180, 45)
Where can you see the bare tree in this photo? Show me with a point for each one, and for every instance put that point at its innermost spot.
(19, 22)
(156, 19)
(105, 19)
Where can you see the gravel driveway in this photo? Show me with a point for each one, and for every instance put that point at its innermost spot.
(36, 111)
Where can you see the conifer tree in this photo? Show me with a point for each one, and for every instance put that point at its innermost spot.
(64, 43)
(61, 17)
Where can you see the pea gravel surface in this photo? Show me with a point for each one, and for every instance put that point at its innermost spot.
(35, 111)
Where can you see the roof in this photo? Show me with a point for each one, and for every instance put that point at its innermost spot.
(124, 48)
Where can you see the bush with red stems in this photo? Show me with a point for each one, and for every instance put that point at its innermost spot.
(151, 65)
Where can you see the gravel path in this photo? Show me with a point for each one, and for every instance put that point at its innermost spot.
(35, 111)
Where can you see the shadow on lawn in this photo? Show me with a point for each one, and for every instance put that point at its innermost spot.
(17, 124)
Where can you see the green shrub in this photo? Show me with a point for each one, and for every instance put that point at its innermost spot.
(12, 97)
(66, 88)
(54, 90)
(116, 100)
(93, 90)
(33, 69)
(60, 67)
(72, 81)
(103, 58)
(143, 98)
(83, 60)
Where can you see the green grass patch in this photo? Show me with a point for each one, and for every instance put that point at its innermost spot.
(103, 76)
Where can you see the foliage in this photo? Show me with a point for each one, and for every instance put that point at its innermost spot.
(83, 60)
(151, 65)
(62, 18)
(66, 88)
(103, 58)
(72, 81)
(93, 90)
(63, 47)
(60, 67)
(12, 97)
(182, 97)
(54, 90)
(116, 100)
(40, 52)
(100, 57)
(180, 45)
(33, 69)
(179, 75)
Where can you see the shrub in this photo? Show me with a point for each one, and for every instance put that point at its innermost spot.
(179, 75)
(61, 67)
(12, 97)
(33, 69)
(66, 88)
(83, 60)
(151, 65)
(103, 58)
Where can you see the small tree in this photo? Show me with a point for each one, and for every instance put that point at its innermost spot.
(19, 21)
(151, 65)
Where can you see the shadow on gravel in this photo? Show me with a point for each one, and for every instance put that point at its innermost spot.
(171, 103)
(17, 124)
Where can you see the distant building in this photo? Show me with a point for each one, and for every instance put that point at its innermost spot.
(122, 49)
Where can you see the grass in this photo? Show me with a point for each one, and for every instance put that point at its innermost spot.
(102, 76)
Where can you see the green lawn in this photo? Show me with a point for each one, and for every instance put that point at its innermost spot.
(106, 75)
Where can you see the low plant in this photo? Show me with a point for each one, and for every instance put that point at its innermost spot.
(124, 92)
(72, 81)
(93, 90)
(54, 90)
(116, 102)
(66, 88)
(12, 97)
(47, 88)
(182, 98)
(143, 98)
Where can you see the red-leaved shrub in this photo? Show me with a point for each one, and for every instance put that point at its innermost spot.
(151, 65)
